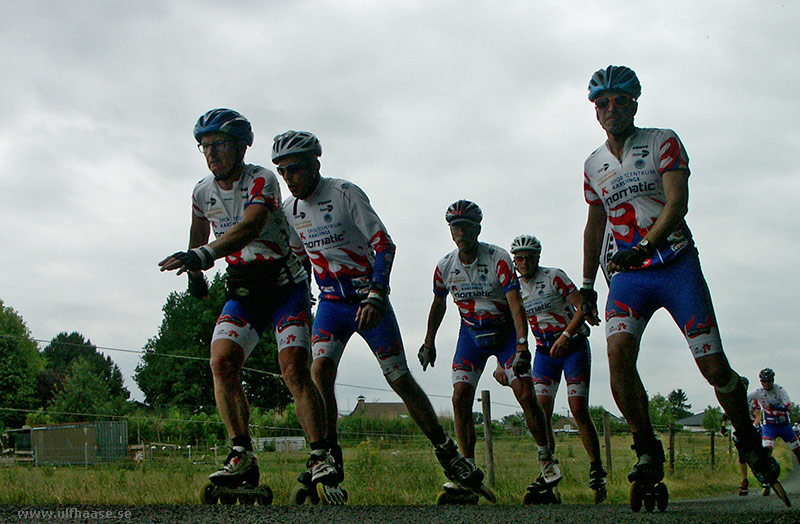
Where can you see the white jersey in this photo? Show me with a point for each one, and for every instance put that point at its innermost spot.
(478, 289)
(225, 208)
(632, 191)
(338, 231)
(545, 299)
(774, 404)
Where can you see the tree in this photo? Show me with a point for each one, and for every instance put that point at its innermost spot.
(174, 369)
(680, 408)
(18, 368)
(85, 392)
(712, 418)
(65, 349)
(660, 411)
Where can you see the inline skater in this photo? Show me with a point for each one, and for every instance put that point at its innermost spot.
(773, 404)
(638, 181)
(552, 305)
(335, 230)
(265, 284)
(483, 285)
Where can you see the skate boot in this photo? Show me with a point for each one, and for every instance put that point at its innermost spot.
(744, 488)
(325, 477)
(237, 480)
(240, 467)
(541, 492)
(305, 491)
(460, 470)
(764, 467)
(551, 473)
(597, 481)
(646, 477)
(336, 453)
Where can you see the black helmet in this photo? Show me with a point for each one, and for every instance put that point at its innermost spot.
(225, 121)
(620, 78)
(767, 375)
(464, 211)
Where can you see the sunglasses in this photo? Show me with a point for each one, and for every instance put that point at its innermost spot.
(617, 100)
(294, 168)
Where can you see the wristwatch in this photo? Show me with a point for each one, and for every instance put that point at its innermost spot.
(646, 245)
(522, 341)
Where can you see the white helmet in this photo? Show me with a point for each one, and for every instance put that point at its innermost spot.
(526, 243)
(295, 143)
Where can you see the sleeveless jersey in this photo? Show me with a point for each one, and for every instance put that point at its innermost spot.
(632, 192)
(478, 289)
(225, 208)
(545, 299)
(338, 231)
(774, 405)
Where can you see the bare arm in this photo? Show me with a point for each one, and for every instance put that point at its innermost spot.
(676, 190)
(561, 346)
(435, 317)
(593, 236)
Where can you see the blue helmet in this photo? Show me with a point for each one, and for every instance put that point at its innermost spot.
(620, 78)
(225, 121)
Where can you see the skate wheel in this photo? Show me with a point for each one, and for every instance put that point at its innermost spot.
(662, 497)
(299, 495)
(332, 495)
(264, 496)
(636, 495)
(649, 502)
(208, 495)
(600, 494)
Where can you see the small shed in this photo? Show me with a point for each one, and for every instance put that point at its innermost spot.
(80, 443)
(379, 409)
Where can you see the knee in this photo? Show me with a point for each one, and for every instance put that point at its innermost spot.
(225, 364)
(323, 371)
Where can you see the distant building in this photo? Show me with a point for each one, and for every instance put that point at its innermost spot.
(82, 443)
(379, 409)
(565, 425)
(693, 423)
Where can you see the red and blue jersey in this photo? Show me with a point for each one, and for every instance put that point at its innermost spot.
(478, 289)
(336, 229)
(224, 208)
(774, 404)
(632, 191)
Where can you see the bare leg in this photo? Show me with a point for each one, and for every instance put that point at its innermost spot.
(547, 403)
(308, 401)
(626, 385)
(226, 362)
(463, 397)
(323, 371)
(417, 403)
(580, 410)
(534, 416)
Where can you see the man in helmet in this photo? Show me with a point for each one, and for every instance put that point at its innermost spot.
(773, 405)
(335, 231)
(552, 305)
(265, 285)
(481, 280)
(638, 182)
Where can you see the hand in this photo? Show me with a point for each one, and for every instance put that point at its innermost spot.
(371, 311)
(198, 286)
(197, 259)
(522, 363)
(628, 259)
(589, 305)
(500, 375)
(561, 347)
(426, 355)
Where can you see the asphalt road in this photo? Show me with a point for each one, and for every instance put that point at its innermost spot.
(730, 509)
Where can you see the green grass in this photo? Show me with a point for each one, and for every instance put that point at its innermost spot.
(378, 472)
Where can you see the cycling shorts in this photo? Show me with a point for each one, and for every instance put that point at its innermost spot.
(290, 319)
(334, 324)
(476, 345)
(679, 287)
(769, 432)
(576, 368)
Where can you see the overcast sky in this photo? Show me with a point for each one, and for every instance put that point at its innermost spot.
(420, 104)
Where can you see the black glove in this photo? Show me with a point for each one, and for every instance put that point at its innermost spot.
(630, 258)
(197, 259)
(426, 355)
(522, 362)
(589, 303)
(198, 286)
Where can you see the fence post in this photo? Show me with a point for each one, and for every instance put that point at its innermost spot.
(607, 438)
(672, 447)
(487, 434)
(712, 434)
